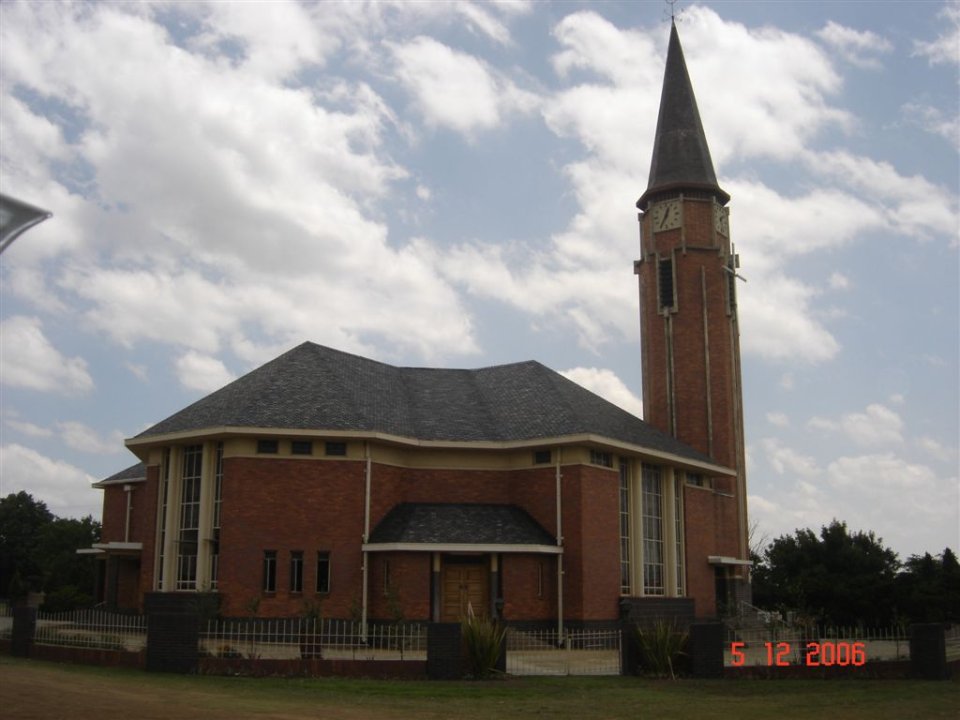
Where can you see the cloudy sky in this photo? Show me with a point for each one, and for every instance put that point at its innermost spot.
(453, 185)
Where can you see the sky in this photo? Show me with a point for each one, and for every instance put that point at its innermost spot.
(454, 185)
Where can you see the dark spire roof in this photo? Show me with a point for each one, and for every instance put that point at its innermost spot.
(316, 388)
(681, 158)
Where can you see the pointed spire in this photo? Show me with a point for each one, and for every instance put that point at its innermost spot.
(681, 158)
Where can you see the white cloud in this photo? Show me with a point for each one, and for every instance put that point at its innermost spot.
(946, 48)
(839, 281)
(456, 90)
(856, 46)
(27, 428)
(786, 461)
(29, 360)
(778, 419)
(84, 438)
(254, 213)
(878, 425)
(933, 120)
(202, 372)
(63, 487)
(607, 385)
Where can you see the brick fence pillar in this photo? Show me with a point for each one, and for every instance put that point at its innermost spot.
(444, 651)
(21, 634)
(706, 650)
(173, 630)
(928, 651)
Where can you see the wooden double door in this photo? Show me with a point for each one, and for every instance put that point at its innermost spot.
(464, 585)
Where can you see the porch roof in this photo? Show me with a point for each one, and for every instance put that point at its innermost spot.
(483, 527)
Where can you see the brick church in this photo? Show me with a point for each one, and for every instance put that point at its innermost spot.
(327, 481)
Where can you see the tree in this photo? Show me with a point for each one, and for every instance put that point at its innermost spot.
(22, 523)
(837, 578)
(41, 550)
(928, 588)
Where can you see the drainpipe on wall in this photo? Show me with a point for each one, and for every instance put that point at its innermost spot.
(128, 489)
(560, 638)
(366, 537)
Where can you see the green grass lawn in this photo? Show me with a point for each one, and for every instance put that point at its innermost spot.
(555, 698)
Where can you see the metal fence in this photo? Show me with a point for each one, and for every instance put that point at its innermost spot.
(575, 652)
(814, 645)
(92, 629)
(292, 638)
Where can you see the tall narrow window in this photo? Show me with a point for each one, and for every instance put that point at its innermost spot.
(323, 572)
(217, 500)
(678, 524)
(269, 571)
(665, 282)
(164, 490)
(189, 518)
(653, 570)
(625, 588)
(296, 571)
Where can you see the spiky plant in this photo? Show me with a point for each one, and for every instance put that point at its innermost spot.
(660, 644)
(483, 640)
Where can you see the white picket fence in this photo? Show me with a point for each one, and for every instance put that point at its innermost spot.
(292, 638)
(92, 628)
(831, 645)
(575, 652)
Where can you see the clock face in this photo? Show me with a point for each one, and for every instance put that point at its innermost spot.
(665, 215)
(721, 220)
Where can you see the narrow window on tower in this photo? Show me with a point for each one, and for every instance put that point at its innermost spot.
(665, 283)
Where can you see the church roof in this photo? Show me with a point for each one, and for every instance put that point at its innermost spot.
(681, 158)
(459, 524)
(317, 388)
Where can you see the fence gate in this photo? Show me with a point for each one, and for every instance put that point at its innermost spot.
(576, 652)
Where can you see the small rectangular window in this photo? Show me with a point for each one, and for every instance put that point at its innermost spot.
(335, 448)
(301, 447)
(269, 571)
(698, 480)
(541, 457)
(386, 578)
(296, 571)
(268, 447)
(540, 579)
(598, 457)
(323, 572)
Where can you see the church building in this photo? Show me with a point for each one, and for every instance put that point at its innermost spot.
(327, 481)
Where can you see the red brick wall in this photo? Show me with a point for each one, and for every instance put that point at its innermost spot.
(286, 505)
(409, 581)
(523, 596)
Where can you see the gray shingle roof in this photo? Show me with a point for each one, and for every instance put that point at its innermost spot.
(313, 387)
(681, 157)
(130, 474)
(460, 524)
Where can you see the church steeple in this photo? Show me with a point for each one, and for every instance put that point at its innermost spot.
(690, 346)
(681, 159)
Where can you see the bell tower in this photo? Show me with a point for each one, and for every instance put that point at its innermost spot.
(690, 334)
